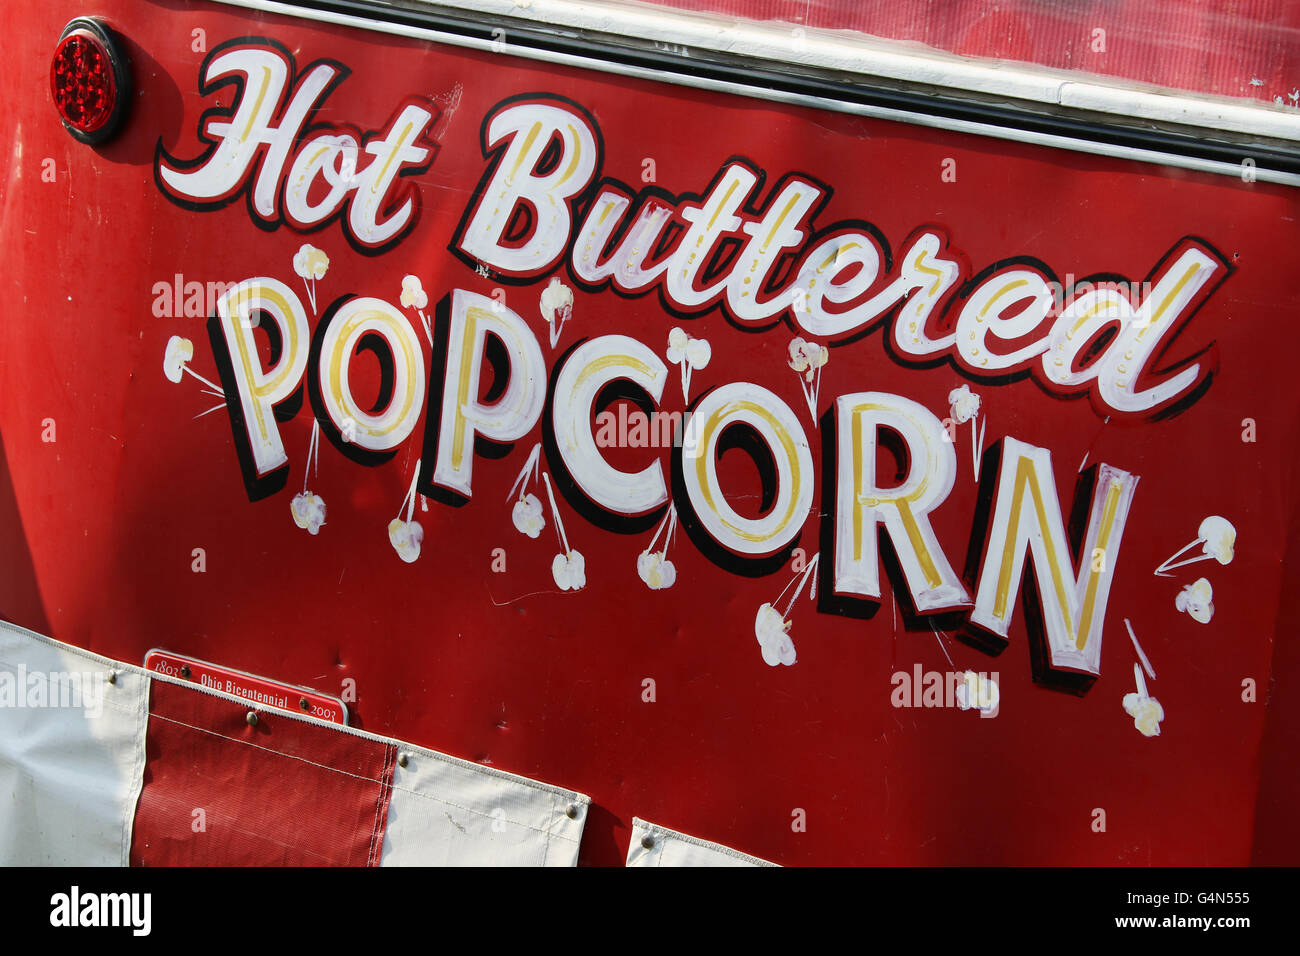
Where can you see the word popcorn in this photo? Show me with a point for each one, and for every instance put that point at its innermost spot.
(1026, 517)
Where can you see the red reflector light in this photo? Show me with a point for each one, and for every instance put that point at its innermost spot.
(88, 81)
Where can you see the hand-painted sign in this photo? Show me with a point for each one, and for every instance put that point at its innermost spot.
(454, 343)
(764, 259)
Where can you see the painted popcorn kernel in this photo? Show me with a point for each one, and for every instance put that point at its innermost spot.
(653, 567)
(570, 571)
(772, 632)
(656, 570)
(179, 352)
(964, 404)
(1217, 538)
(308, 511)
(527, 515)
(413, 294)
(176, 357)
(310, 262)
(414, 297)
(1143, 708)
(978, 692)
(1197, 601)
(688, 352)
(808, 358)
(527, 510)
(406, 537)
(569, 567)
(772, 627)
(1146, 713)
(557, 307)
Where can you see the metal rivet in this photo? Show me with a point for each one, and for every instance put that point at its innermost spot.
(572, 811)
(403, 760)
(648, 842)
(302, 703)
(112, 677)
(252, 718)
(185, 671)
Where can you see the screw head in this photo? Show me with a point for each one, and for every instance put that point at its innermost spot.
(112, 677)
(252, 718)
(302, 703)
(572, 811)
(648, 842)
(403, 760)
(185, 671)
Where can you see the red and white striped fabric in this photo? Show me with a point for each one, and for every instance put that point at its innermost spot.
(105, 764)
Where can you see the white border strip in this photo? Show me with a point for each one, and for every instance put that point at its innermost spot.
(1261, 174)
